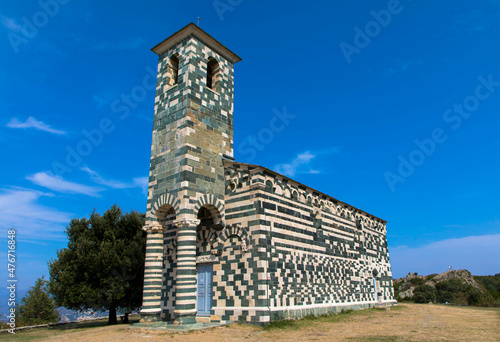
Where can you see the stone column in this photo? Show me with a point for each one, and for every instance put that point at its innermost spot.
(185, 278)
(153, 271)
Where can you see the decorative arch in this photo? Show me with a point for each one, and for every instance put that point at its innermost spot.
(303, 198)
(317, 221)
(278, 189)
(226, 233)
(213, 204)
(163, 205)
(269, 186)
(287, 193)
(206, 234)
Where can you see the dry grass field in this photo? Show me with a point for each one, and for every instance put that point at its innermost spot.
(406, 322)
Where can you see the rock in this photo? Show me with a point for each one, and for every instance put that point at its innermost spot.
(408, 293)
(464, 275)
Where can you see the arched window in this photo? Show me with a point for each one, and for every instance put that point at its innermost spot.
(269, 186)
(317, 220)
(173, 70)
(213, 73)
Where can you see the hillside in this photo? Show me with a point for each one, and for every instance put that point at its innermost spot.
(455, 287)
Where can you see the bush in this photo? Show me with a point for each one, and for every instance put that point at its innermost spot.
(37, 307)
(424, 294)
(417, 281)
(445, 297)
(431, 276)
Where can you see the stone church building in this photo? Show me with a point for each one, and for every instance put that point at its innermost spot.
(229, 241)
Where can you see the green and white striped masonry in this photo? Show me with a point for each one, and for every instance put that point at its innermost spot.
(151, 301)
(185, 290)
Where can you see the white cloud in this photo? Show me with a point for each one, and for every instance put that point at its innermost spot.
(19, 209)
(138, 182)
(301, 163)
(11, 24)
(478, 254)
(31, 122)
(57, 183)
(291, 168)
(143, 183)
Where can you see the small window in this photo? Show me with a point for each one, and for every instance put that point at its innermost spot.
(173, 70)
(317, 220)
(269, 186)
(213, 72)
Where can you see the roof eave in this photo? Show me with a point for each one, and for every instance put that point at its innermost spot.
(193, 30)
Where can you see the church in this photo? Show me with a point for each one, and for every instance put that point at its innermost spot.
(229, 241)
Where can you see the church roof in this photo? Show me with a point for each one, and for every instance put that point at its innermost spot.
(229, 163)
(193, 30)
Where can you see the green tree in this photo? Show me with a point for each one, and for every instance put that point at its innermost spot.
(424, 294)
(449, 291)
(37, 307)
(103, 266)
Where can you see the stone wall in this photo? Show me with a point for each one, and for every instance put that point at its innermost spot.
(315, 253)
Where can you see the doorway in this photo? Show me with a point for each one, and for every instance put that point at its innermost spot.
(204, 292)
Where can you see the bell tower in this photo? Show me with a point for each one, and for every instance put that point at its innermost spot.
(192, 133)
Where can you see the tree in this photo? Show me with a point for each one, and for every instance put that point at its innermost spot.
(103, 266)
(37, 307)
(424, 294)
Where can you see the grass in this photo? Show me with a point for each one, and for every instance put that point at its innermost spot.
(388, 338)
(41, 333)
(330, 318)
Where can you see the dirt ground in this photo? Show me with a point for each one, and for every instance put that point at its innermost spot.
(407, 322)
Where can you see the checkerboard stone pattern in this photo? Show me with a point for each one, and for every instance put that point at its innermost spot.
(279, 249)
(308, 253)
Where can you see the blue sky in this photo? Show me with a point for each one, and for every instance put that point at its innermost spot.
(389, 106)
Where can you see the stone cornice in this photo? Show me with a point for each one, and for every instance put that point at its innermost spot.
(157, 228)
(187, 223)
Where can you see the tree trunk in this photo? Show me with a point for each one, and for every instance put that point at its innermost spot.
(125, 318)
(112, 316)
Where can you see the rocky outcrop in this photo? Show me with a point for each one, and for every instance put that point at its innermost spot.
(463, 275)
(406, 285)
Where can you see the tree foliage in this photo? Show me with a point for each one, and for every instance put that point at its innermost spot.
(37, 307)
(424, 294)
(103, 266)
(458, 292)
(491, 284)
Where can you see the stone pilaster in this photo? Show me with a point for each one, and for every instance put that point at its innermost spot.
(185, 289)
(151, 298)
